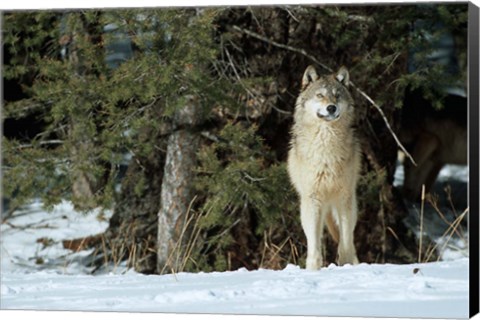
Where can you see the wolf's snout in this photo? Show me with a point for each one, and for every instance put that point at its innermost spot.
(331, 109)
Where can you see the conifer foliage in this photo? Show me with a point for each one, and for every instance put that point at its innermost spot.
(178, 120)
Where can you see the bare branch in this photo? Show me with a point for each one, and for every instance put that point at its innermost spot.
(283, 46)
(387, 124)
(238, 76)
(41, 143)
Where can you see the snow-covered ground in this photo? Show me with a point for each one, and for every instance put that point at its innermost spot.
(42, 275)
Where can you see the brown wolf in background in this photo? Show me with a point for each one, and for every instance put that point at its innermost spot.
(433, 138)
(324, 164)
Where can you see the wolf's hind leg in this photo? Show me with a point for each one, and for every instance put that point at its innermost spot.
(312, 223)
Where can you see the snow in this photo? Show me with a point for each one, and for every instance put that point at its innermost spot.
(437, 290)
(45, 276)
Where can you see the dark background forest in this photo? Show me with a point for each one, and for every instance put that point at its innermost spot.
(178, 121)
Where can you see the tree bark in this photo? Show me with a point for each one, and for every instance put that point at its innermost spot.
(83, 183)
(176, 194)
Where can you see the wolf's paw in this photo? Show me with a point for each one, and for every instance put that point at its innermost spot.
(350, 259)
(314, 263)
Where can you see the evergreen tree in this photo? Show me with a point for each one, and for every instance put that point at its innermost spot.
(201, 103)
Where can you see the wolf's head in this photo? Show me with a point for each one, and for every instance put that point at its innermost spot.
(325, 97)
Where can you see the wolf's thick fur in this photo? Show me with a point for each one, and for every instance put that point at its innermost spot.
(324, 164)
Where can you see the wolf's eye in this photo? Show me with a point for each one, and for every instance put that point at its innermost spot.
(319, 95)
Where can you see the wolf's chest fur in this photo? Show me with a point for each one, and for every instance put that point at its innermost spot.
(321, 158)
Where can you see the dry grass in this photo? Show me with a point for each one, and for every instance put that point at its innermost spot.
(453, 228)
(276, 256)
(181, 252)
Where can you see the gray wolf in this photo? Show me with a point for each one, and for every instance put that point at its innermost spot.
(324, 164)
(433, 138)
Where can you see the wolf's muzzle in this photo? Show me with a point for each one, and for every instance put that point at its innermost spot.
(332, 109)
(331, 114)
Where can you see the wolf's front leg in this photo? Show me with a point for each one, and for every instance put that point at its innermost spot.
(347, 214)
(312, 223)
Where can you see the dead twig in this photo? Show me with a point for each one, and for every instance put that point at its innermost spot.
(282, 46)
(312, 58)
(387, 124)
(29, 226)
(41, 143)
(421, 225)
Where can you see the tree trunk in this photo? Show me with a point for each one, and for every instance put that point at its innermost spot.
(176, 195)
(84, 183)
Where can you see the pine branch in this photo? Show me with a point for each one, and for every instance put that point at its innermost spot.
(312, 58)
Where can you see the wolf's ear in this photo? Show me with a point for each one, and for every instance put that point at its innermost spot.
(309, 76)
(343, 76)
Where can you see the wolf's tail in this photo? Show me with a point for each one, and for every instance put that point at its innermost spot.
(332, 227)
